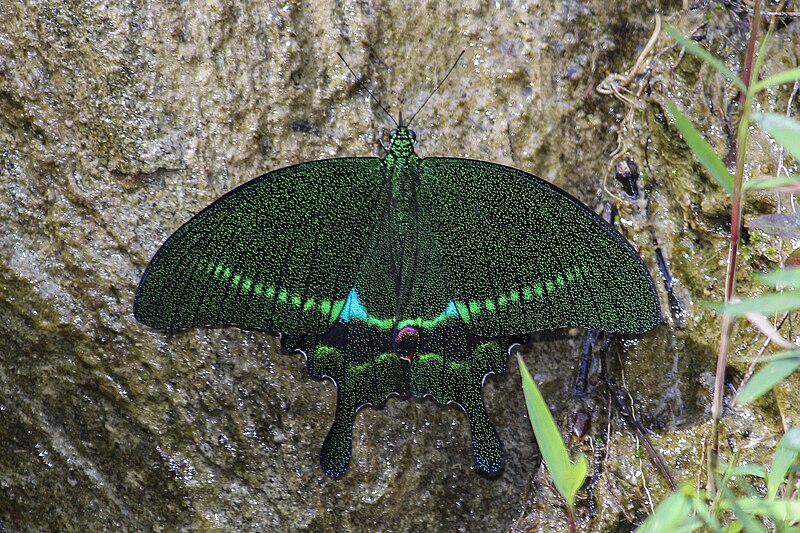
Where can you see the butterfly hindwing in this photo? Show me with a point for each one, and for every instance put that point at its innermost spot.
(522, 255)
(280, 252)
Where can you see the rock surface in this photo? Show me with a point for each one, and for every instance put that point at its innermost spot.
(118, 121)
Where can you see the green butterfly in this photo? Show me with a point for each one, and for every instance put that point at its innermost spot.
(399, 275)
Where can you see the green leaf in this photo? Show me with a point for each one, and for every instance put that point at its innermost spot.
(767, 377)
(787, 76)
(778, 356)
(761, 56)
(568, 477)
(783, 277)
(783, 129)
(673, 514)
(733, 527)
(778, 510)
(744, 512)
(786, 454)
(707, 515)
(788, 184)
(745, 469)
(702, 150)
(695, 49)
(782, 356)
(771, 303)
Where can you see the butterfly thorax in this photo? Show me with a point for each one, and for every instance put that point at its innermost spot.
(401, 167)
(401, 173)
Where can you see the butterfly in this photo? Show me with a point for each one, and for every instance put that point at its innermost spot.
(399, 275)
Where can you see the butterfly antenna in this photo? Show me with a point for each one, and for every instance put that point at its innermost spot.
(360, 83)
(437, 87)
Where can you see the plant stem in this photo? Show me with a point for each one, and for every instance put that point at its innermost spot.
(745, 101)
(571, 518)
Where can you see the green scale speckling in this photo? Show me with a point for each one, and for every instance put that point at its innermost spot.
(448, 364)
(508, 251)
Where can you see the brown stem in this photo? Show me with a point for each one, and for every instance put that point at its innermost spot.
(571, 518)
(736, 227)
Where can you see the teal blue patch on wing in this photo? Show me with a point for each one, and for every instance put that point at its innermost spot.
(353, 308)
(258, 255)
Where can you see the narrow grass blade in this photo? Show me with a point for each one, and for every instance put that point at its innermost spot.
(784, 277)
(787, 76)
(769, 330)
(673, 514)
(767, 377)
(744, 511)
(771, 303)
(761, 56)
(786, 455)
(695, 49)
(568, 477)
(745, 469)
(778, 510)
(783, 129)
(702, 150)
(789, 184)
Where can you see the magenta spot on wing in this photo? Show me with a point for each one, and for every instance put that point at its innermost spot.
(407, 338)
(407, 331)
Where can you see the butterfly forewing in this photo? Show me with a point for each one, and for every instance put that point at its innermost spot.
(280, 253)
(521, 255)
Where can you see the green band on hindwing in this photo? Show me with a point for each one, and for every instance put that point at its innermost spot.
(449, 365)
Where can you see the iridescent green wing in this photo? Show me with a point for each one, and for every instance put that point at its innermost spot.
(444, 361)
(280, 253)
(450, 366)
(359, 357)
(522, 255)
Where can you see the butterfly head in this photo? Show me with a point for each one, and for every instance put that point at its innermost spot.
(403, 140)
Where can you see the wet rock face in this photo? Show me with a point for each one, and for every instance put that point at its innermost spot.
(120, 121)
